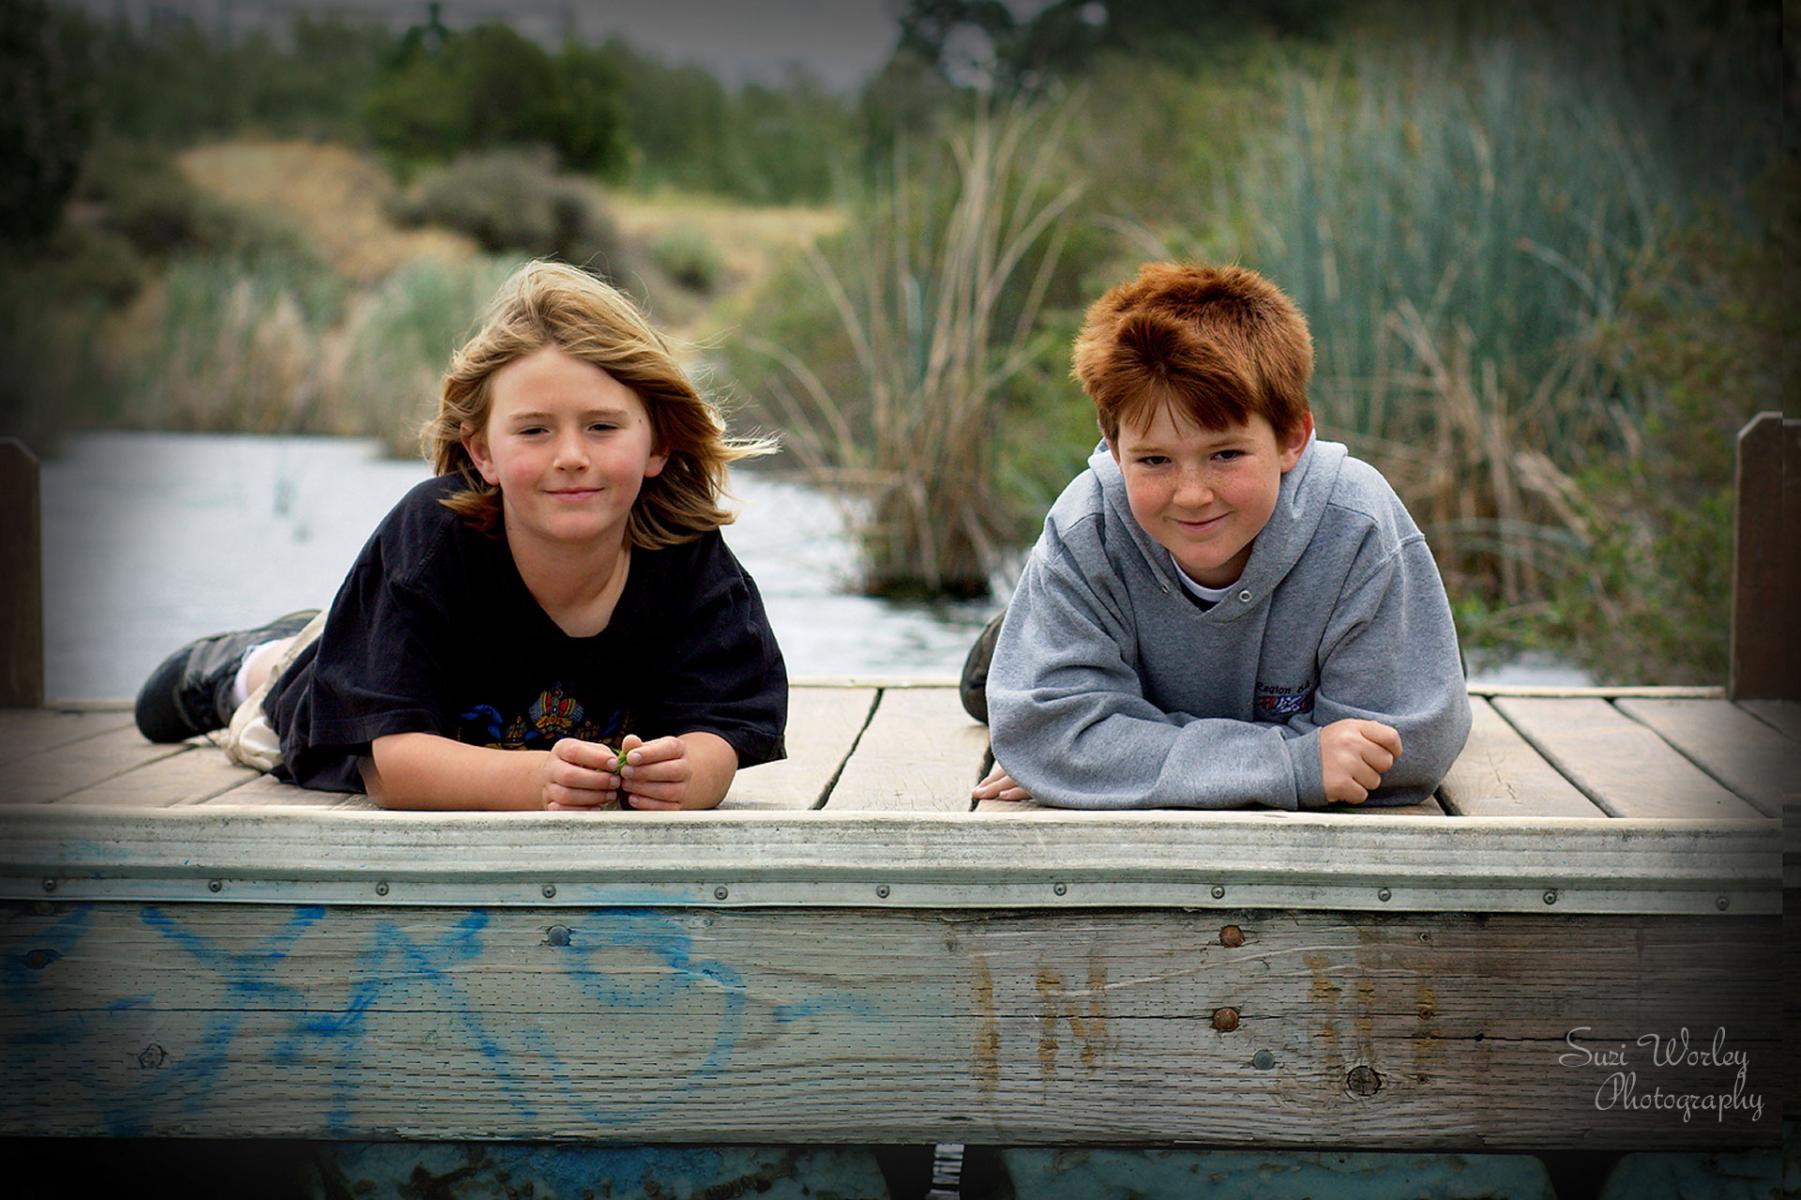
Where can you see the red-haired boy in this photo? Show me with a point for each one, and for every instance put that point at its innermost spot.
(1222, 610)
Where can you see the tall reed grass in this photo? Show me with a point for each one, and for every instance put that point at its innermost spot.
(224, 345)
(1458, 225)
(936, 283)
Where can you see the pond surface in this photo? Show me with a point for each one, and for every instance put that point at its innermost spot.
(151, 540)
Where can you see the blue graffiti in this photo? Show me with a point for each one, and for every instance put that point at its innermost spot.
(668, 939)
(393, 958)
(247, 974)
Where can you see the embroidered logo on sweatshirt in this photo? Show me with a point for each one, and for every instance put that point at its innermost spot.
(1278, 703)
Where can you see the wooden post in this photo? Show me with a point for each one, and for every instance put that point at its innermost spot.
(1766, 566)
(21, 579)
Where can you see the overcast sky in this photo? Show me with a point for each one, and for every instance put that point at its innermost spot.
(840, 41)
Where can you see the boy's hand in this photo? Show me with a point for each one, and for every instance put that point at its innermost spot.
(578, 775)
(1352, 757)
(999, 786)
(656, 774)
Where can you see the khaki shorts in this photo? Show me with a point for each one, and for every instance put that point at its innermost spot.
(250, 739)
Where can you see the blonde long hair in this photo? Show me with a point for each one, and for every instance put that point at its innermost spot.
(553, 304)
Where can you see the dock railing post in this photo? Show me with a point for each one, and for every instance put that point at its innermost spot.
(1766, 564)
(21, 579)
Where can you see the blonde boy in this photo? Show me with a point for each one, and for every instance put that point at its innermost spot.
(1222, 610)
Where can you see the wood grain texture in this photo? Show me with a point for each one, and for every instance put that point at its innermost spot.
(1499, 774)
(936, 860)
(52, 773)
(1730, 744)
(265, 791)
(823, 725)
(21, 579)
(27, 731)
(920, 753)
(1625, 768)
(1784, 716)
(647, 1025)
(199, 773)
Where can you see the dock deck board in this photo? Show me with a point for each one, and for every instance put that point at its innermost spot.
(845, 951)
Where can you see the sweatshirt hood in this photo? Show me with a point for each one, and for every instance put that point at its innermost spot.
(1300, 506)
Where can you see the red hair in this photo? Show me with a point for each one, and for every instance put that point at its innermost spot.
(1217, 343)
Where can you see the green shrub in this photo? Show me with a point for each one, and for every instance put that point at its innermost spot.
(136, 192)
(689, 257)
(453, 93)
(514, 201)
(45, 116)
(399, 340)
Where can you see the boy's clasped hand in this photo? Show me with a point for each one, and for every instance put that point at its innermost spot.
(580, 775)
(1353, 755)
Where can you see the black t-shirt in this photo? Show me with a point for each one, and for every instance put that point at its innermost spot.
(435, 632)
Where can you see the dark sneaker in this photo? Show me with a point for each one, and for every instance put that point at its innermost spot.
(972, 688)
(190, 693)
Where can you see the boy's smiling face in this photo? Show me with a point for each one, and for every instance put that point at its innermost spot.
(1205, 494)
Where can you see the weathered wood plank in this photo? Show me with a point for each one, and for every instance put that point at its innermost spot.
(265, 791)
(632, 1025)
(823, 725)
(52, 773)
(1622, 766)
(1058, 859)
(920, 753)
(21, 579)
(1499, 774)
(191, 777)
(1781, 715)
(1733, 746)
(27, 731)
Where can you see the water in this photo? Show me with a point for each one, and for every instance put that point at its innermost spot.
(153, 539)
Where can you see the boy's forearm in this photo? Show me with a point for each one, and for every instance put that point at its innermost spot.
(425, 771)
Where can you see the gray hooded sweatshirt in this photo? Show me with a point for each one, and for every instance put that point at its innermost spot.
(1110, 688)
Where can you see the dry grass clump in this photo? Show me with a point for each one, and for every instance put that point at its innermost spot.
(339, 197)
(937, 290)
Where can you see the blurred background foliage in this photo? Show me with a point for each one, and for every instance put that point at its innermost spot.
(1542, 250)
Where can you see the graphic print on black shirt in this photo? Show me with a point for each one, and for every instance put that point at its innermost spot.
(554, 715)
(433, 631)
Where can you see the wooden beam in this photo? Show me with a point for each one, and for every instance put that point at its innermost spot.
(1766, 564)
(21, 579)
(1240, 1027)
(1043, 859)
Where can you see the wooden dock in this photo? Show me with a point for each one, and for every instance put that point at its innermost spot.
(1578, 943)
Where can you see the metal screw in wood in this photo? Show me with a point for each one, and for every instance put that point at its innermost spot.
(381, 889)
(720, 893)
(1219, 893)
(1061, 889)
(215, 886)
(550, 891)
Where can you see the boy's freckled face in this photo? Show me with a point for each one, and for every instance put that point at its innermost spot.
(1205, 494)
(569, 446)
